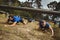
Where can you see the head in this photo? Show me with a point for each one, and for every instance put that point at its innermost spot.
(43, 23)
(11, 17)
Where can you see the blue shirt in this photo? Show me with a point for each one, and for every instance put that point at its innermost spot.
(17, 19)
(46, 26)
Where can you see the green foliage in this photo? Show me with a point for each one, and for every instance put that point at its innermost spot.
(58, 6)
(24, 4)
(52, 4)
(22, 13)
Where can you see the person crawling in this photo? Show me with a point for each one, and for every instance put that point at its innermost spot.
(43, 25)
(14, 19)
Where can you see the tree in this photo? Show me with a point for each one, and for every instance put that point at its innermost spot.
(38, 2)
(11, 2)
(26, 4)
(52, 5)
(58, 6)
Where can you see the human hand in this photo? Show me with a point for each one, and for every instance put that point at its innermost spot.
(5, 25)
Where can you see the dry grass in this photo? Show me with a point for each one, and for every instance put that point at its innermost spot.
(25, 32)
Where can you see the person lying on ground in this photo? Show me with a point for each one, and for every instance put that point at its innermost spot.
(45, 25)
(15, 20)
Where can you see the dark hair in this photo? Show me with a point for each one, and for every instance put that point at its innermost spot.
(11, 16)
(41, 21)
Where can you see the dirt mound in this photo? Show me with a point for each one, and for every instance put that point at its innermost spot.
(23, 32)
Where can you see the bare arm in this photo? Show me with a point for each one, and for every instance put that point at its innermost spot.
(12, 24)
(51, 30)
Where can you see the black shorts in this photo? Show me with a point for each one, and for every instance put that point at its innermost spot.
(20, 21)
